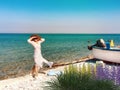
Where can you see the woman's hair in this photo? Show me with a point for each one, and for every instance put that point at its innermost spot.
(36, 37)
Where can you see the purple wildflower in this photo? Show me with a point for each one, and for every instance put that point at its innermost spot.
(118, 75)
(99, 72)
(106, 72)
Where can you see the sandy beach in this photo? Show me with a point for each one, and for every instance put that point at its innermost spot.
(27, 82)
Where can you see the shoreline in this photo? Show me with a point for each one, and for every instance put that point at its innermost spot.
(22, 72)
(27, 82)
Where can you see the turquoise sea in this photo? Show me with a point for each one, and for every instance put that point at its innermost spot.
(16, 55)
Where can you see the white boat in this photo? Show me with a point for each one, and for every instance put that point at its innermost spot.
(111, 55)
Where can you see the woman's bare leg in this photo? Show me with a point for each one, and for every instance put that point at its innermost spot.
(48, 63)
(35, 70)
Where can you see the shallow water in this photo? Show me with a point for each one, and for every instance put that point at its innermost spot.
(16, 55)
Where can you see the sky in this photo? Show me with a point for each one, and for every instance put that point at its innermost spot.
(59, 16)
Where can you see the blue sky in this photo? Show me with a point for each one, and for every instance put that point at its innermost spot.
(59, 16)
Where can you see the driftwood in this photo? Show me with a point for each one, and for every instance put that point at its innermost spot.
(58, 64)
(73, 62)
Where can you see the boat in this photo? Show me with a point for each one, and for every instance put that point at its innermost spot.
(109, 55)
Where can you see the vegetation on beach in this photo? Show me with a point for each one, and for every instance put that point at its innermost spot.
(82, 78)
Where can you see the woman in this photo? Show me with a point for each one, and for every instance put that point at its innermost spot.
(35, 41)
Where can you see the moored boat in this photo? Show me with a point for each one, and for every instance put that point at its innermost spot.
(110, 55)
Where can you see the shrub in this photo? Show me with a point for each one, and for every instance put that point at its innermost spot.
(73, 79)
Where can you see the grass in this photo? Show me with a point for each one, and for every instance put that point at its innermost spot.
(74, 79)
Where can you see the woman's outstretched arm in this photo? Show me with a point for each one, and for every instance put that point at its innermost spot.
(42, 40)
(30, 41)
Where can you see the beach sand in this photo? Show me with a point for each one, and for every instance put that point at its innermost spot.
(27, 82)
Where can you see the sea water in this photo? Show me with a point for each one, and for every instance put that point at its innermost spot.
(16, 55)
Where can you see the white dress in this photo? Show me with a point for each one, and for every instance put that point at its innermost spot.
(38, 58)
